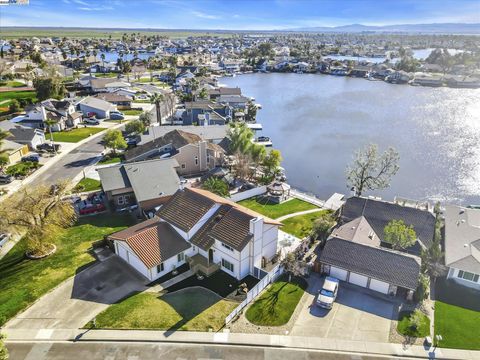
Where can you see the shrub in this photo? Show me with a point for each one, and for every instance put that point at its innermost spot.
(22, 169)
(415, 324)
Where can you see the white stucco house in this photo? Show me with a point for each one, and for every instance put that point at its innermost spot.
(462, 245)
(202, 229)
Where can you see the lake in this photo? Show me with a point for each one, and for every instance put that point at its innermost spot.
(319, 121)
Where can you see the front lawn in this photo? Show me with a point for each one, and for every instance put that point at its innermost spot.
(9, 95)
(23, 281)
(459, 327)
(192, 309)
(110, 160)
(405, 327)
(75, 135)
(276, 210)
(88, 184)
(301, 225)
(277, 304)
(132, 112)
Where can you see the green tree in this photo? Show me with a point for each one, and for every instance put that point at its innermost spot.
(216, 186)
(102, 56)
(14, 106)
(114, 140)
(135, 127)
(399, 235)
(258, 155)
(322, 226)
(203, 94)
(292, 266)
(157, 99)
(271, 164)
(240, 137)
(371, 171)
(49, 87)
(432, 260)
(3, 348)
(145, 118)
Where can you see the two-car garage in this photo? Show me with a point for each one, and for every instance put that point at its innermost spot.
(359, 279)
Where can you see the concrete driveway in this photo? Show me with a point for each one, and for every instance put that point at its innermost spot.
(79, 299)
(356, 315)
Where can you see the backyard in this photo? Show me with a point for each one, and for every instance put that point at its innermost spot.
(458, 326)
(88, 184)
(277, 210)
(7, 96)
(277, 304)
(301, 225)
(190, 309)
(75, 135)
(23, 281)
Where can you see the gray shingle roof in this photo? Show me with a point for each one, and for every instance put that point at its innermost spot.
(380, 213)
(385, 265)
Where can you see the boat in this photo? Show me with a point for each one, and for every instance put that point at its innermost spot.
(264, 141)
(255, 126)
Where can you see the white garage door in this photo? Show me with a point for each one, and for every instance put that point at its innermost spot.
(338, 273)
(379, 286)
(358, 279)
(122, 252)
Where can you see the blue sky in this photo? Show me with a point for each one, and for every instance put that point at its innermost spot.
(236, 15)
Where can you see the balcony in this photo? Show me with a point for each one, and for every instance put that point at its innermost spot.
(199, 263)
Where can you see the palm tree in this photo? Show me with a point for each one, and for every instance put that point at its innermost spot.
(103, 61)
(49, 124)
(157, 99)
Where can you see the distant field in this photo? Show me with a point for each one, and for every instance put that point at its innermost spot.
(12, 33)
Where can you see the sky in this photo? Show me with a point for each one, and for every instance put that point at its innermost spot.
(236, 15)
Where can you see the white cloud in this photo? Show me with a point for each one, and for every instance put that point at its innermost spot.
(204, 15)
(81, 2)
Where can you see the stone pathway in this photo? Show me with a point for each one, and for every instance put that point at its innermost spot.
(281, 218)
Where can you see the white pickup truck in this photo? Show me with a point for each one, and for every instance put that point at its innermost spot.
(328, 294)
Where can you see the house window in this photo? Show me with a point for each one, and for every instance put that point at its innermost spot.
(468, 276)
(184, 166)
(180, 257)
(227, 247)
(196, 160)
(227, 265)
(208, 159)
(160, 268)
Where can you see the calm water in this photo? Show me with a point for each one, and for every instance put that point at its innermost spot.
(318, 121)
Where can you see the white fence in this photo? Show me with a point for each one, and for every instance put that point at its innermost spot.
(249, 193)
(312, 199)
(257, 289)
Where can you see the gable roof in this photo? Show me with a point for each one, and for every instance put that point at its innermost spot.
(462, 238)
(391, 267)
(97, 103)
(152, 241)
(23, 134)
(380, 213)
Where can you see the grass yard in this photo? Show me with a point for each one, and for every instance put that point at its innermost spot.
(75, 135)
(191, 309)
(132, 112)
(7, 96)
(106, 75)
(404, 325)
(276, 210)
(110, 160)
(88, 184)
(277, 304)
(458, 326)
(301, 225)
(23, 281)
(12, 84)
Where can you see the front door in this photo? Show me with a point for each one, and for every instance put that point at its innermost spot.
(210, 256)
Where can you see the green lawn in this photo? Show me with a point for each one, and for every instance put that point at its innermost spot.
(87, 184)
(23, 281)
(9, 95)
(277, 304)
(276, 210)
(301, 225)
(75, 135)
(132, 112)
(106, 75)
(404, 325)
(459, 327)
(191, 309)
(110, 160)
(12, 84)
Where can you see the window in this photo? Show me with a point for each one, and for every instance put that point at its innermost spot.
(468, 276)
(160, 268)
(180, 257)
(196, 160)
(208, 159)
(120, 200)
(227, 265)
(184, 166)
(227, 247)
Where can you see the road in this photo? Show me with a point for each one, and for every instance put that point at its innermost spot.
(71, 164)
(182, 351)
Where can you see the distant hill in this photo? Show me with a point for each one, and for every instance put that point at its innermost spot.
(442, 28)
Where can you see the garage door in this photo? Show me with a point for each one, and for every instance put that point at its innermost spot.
(379, 286)
(358, 279)
(338, 273)
(122, 252)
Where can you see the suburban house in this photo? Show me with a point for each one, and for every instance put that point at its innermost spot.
(206, 231)
(100, 107)
(357, 253)
(27, 136)
(116, 99)
(214, 134)
(223, 91)
(14, 150)
(462, 245)
(97, 85)
(196, 113)
(193, 154)
(147, 184)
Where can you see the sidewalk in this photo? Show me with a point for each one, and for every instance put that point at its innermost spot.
(281, 218)
(295, 342)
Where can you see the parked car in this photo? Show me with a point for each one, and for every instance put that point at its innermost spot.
(92, 209)
(328, 294)
(91, 114)
(4, 238)
(6, 179)
(116, 116)
(91, 121)
(48, 147)
(32, 158)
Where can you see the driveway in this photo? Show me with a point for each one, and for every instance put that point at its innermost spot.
(79, 299)
(356, 315)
